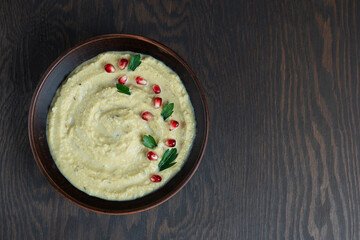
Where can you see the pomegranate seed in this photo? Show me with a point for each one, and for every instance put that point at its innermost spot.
(157, 102)
(123, 63)
(140, 80)
(156, 89)
(173, 124)
(147, 116)
(170, 142)
(122, 80)
(155, 178)
(152, 156)
(109, 68)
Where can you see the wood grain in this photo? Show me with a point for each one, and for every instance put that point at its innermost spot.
(282, 82)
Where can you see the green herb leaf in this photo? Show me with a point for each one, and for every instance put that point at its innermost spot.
(134, 62)
(167, 111)
(149, 141)
(123, 89)
(167, 159)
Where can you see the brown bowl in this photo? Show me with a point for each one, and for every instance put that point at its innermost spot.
(56, 74)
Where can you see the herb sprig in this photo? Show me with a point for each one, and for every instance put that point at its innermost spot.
(167, 159)
(167, 111)
(123, 89)
(134, 62)
(149, 141)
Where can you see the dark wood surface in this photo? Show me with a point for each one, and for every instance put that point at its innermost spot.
(282, 80)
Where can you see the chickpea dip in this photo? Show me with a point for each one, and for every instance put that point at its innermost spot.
(95, 132)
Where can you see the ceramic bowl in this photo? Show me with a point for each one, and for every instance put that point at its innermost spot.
(57, 73)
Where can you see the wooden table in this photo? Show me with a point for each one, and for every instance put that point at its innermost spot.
(282, 81)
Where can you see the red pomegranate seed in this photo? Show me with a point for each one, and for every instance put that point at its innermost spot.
(157, 102)
(155, 178)
(156, 89)
(152, 156)
(123, 63)
(109, 68)
(147, 116)
(122, 80)
(140, 80)
(173, 124)
(170, 142)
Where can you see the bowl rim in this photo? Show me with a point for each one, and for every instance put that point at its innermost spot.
(42, 82)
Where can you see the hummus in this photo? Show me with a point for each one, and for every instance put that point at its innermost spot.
(95, 132)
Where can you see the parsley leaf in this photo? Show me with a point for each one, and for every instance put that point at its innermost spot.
(167, 159)
(123, 89)
(134, 62)
(149, 141)
(167, 111)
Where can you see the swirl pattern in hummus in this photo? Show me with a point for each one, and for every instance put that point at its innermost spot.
(95, 133)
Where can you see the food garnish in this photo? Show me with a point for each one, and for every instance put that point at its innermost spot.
(173, 124)
(157, 102)
(152, 156)
(147, 116)
(170, 142)
(122, 80)
(167, 159)
(156, 89)
(123, 89)
(123, 63)
(167, 111)
(149, 141)
(109, 68)
(155, 178)
(134, 62)
(140, 80)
